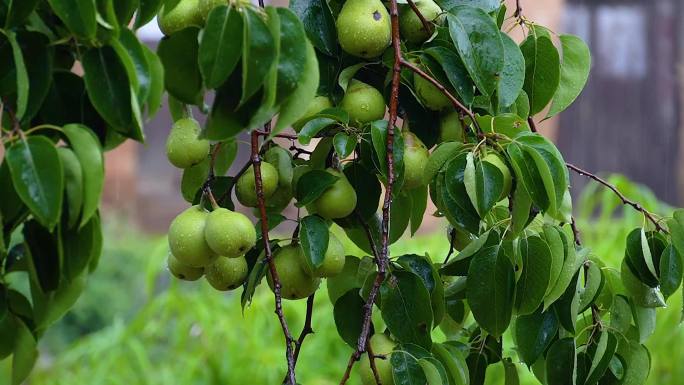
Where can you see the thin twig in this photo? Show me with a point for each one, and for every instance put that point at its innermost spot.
(426, 24)
(457, 104)
(533, 125)
(307, 329)
(371, 360)
(626, 201)
(452, 241)
(518, 9)
(256, 163)
(575, 231)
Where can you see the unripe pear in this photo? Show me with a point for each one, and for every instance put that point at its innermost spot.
(184, 14)
(497, 161)
(412, 28)
(383, 346)
(295, 282)
(338, 201)
(450, 128)
(228, 233)
(333, 261)
(184, 272)
(462, 237)
(318, 104)
(226, 273)
(245, 189)
(430, 95)
(363, 28)
(415, 158)
(186, 238)
(363, 102)
(205, 6)
(184, 148)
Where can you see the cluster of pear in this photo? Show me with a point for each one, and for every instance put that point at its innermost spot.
(212, 244)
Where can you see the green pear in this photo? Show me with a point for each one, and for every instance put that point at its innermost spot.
(333, 261)
(184, 148)
(318, 104)
(185, 14)
(206, 6)
(430, 95)
(462, 237)
(245, 188)
(186, 238)
(338, 201)
(295, 282)
(381, 345)
(226, 273)
(228, 233)
(363, 102)
(415, 158)
(497, 161)
(181, 271)
(450, 128)
(411, 27)
(364, 28)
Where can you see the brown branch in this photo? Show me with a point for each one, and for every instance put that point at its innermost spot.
(457, 104)
(382, 257)
(518, 9)
(426, 24)
(452, 241)
(284, 136)
(371, 360)
(256, 163)
(575, 232)
(626, 201)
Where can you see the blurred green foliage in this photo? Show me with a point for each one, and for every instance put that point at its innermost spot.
(135, 326)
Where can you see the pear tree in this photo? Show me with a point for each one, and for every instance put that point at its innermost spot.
(359, 113)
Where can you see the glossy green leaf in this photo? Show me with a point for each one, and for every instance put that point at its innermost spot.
(574, 74)
(671, 270)
(344, 144)
(87, 148)
(400, 217)
(147, 10)
(193, 179)
(561, 363)
(21, 75)
(292, 54)
(259, 51)
(226, 156)
(542, 71)
(220, 46)
(312, 184)
(45, 249)
(640, 293)
(639, 258)
(478, 41)
(566, 274)
(182, 77)
(154, 99)
(80, 247)
(379, 140)
(39, 62)
(18, 11)
(483, 183)
(132, 55)
(434, 371)
(12, 208)
(348, 315)
(109, 89)
(644, 320)
(405, 306)
(297, 103)
(531, 287)
(601, 352)
(38, 177)
(491, 283)
(347, 279)
(314, 235)
(567, 306)
(522, 204)
(313, 127)
(439, 157)
(593, 281)
(406, 370)
(453, 197)
(25, 353)
(347, 74)
(636, 362)
(534, 333)
(77, 15)
(73, 185)
(319, 24)
(485, 5)
(513, 73)
(453, 362)
(419, 201)
(455, 71)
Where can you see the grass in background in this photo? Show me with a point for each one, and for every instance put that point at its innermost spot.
(136, 326)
